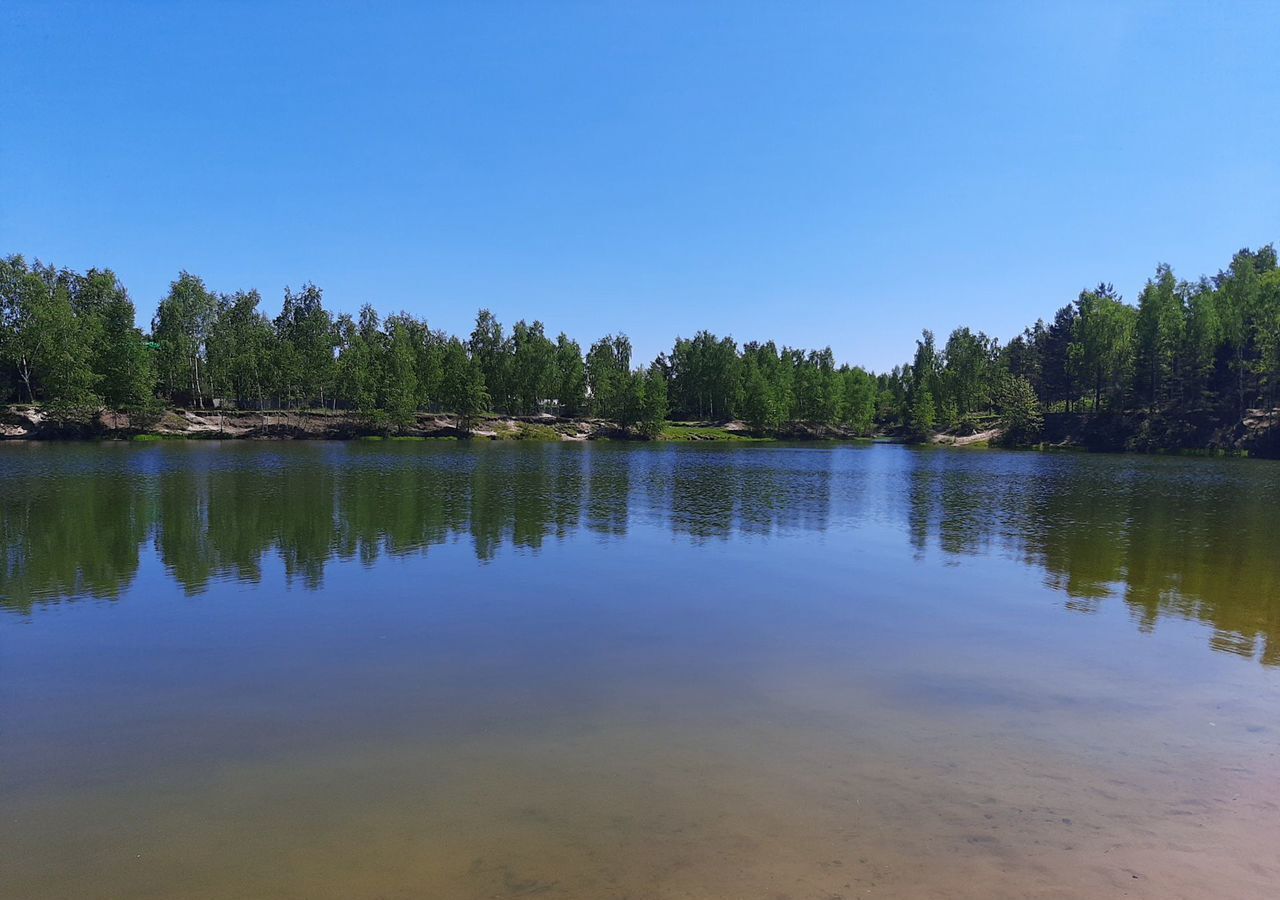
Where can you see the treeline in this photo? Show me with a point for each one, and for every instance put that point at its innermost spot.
(68, 340)
(1188, 358)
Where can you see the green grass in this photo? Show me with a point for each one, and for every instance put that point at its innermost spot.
(526, 431)
(680, 431)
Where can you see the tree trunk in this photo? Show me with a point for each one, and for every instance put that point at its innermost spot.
(195, 382)
(25, 372)
(1240, 382)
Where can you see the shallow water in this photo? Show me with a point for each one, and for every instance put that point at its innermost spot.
(407, 670)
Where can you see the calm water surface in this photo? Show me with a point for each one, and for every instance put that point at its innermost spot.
(403, 671)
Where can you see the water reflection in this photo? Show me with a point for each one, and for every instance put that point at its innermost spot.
(1191, 539)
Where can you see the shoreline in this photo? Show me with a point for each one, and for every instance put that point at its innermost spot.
(1256, 437)
(30, 423)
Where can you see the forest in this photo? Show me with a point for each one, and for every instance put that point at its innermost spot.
(1187, 360)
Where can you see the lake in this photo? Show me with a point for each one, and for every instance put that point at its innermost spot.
(604, 671)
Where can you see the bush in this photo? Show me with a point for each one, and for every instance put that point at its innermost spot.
(1020, 414)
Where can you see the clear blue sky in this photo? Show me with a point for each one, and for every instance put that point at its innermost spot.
(839, 174)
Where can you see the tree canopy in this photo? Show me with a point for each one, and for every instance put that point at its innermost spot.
(1187, 357)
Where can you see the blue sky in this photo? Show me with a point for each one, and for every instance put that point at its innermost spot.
(816, 173)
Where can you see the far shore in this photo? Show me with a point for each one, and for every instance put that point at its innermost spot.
(32, 423)
(1258, 435)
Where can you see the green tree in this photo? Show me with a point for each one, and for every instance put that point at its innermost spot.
(124, 366)
(462, 386)
(398, 384)
(1024, 355)
(1020, 415)
(704, 376)
(653, 401)
(1058, 374)
(1237, 295)
(967, 371)
(922, 412)
(767, 386)
(429, 346)
(304, 366)
(857, 400)
(425, 348)
(608, 366)
(533, 360)
(42, 338)
(815, 395)
(1202, 336)
(355, 375)
(240, 348)
(180, 326)
(1158, 338)
(68, 381)
(1267, 336)
(1102, 342)
(758, 407)
(570, 376)
(23, 298)
(491, 353)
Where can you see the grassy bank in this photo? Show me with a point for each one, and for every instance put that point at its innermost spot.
(694, 431)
